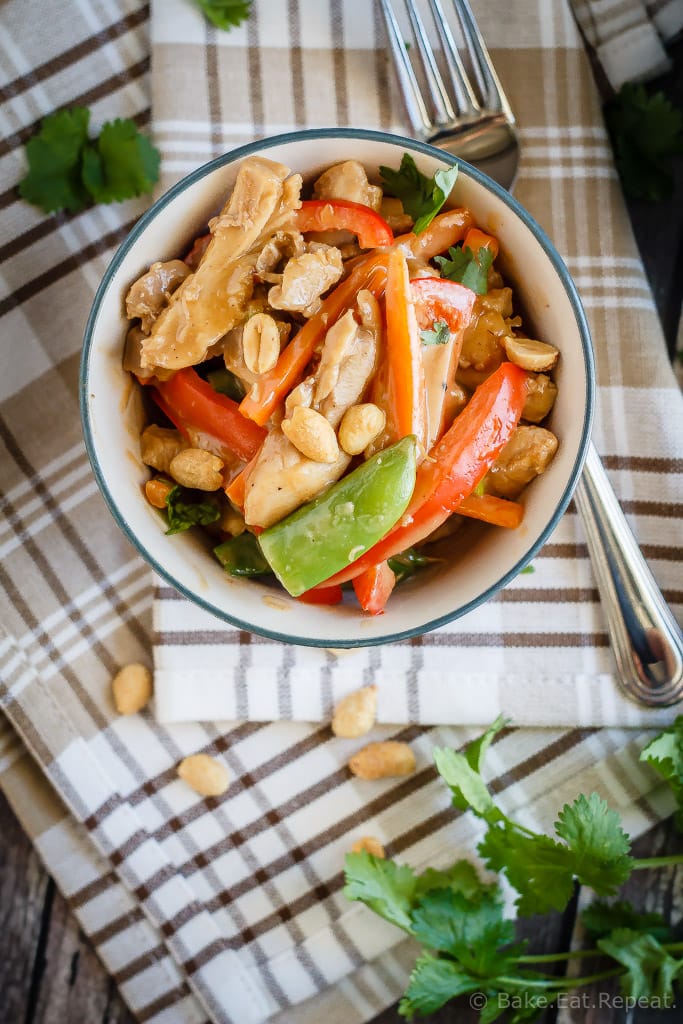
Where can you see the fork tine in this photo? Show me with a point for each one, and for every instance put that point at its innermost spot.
(442, 104)
(482, 65)
(410, 87)
(465, 98)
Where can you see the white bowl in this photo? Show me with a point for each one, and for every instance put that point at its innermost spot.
(112, 410)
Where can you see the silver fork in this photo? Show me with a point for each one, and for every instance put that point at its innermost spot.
(474, 121)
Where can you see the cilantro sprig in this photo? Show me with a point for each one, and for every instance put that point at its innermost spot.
(470, 269)
(468, 942)
(645, 129)
(69, 171)
(422, 197)
(225, 14)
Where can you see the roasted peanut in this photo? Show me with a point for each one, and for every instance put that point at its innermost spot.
(261, 343)
(355, 714)
(131, 688)
(370, 845)
(232, 522)
(311, 434)
(536, 356)
(197, 468)
(159, 446)
(204, 774)
(157, 490)
(383, 760)
(360, 425)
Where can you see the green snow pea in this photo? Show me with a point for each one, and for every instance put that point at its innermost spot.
(242, 556)
(334, 529)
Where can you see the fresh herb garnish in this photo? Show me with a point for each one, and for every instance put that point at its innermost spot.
(225, 14)
(440, 334)
(408, 562)
(225, 382)
(67, 170)
(469, 943)
(665, 754)
(242, 556)
(468, 268)
(422, 197)
(645, 130)
(185, 508)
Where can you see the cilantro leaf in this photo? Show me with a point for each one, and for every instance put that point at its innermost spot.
(120, 163)
(650, 970)
(225, 14)
(432, 983)
(185, 510)
(407, 563)
(461, 877)
(593, 833)
(471, 931)
(440, 334)
(422, 197)
(468, 268)
(600, 918)
(665, 754)
(54, 180)
(466, 784)
(645, 130)
(384, 886)
(539, 868)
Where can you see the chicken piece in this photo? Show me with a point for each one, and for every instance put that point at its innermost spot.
(151, 292)
(396, 217)
(527, 454)
(349, 181)
(541, 395)
(305, 279)
(281, 478)
(160, 445)
(211, 301)
(283, 245)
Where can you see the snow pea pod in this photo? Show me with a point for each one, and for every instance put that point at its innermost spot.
(334, 529)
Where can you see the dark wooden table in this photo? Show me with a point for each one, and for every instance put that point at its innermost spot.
(49, 973)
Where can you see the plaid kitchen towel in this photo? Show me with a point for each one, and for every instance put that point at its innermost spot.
(230, 909)
(539, 651)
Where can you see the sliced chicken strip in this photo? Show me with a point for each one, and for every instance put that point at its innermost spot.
(151, 292)
(211, 301)
(282, 478)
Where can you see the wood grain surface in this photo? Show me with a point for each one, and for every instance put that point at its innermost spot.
(49, 974)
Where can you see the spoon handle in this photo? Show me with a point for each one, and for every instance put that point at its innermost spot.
(645, 637)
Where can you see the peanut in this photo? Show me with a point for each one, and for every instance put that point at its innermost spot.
(370, 845)
(131, 688)
(204, 774)
(355, 714)
(261, 343)
(157, 490)
(311, 434)
(360, 425)
(159, 446)
(195, 467)
(383, 760)
(536, 356)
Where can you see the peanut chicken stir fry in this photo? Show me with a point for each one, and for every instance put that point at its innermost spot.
(336, 381)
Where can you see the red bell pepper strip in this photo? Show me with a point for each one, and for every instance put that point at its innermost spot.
(272, 388)
(343, 215)
(197, 405)
(475, 239)
(454, 466)
(168, 413)
(322, 595)
(373, 587)
(407, 411)
(490, 509)
(437, 298)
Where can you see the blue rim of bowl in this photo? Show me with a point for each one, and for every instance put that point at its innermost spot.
(417, 147)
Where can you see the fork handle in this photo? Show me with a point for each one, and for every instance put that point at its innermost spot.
(646, 639)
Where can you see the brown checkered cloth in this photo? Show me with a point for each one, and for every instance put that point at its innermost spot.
(230, 909)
